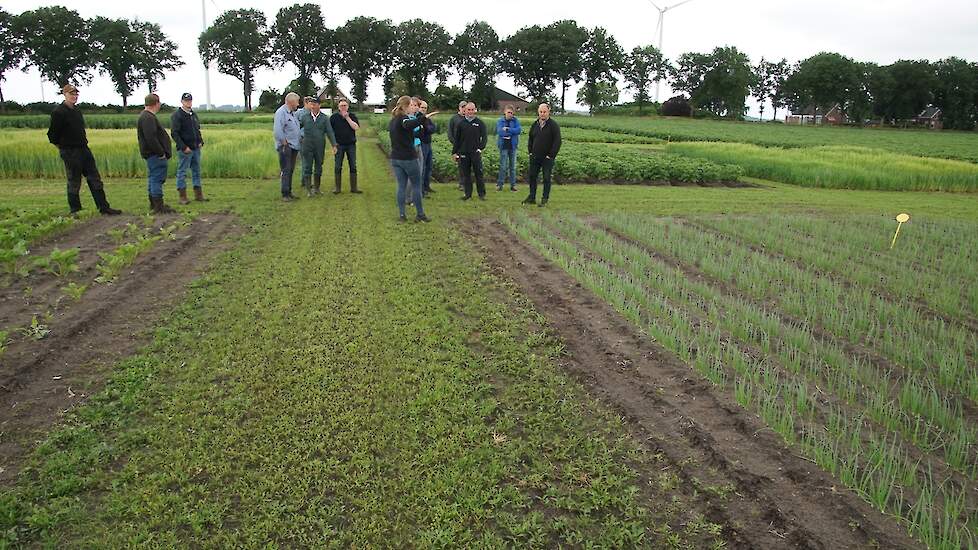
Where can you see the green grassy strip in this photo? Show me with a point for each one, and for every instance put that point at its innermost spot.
(838, 167)
(874, 467)
(339, 377)
(128, 120)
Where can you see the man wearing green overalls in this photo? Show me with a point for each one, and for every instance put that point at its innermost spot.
(315, 129)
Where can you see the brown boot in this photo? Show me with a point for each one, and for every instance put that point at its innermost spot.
(199, 195)
(353, 183)
(158, 207)
(183, 196)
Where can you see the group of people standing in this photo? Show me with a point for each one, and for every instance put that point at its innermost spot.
(305, 131)
(67, 132)
(411, 128)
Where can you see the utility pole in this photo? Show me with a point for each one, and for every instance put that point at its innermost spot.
(207, 66)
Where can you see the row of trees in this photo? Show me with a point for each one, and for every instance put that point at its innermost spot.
(67, 48)
(545, 60)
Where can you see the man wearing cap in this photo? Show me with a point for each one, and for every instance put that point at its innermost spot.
(67, 133)
(315, 130)
(154, 146)
(286, 131)
(185, 129)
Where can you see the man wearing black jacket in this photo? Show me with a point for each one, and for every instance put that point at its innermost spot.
(154, 146)
(67, 133)
(452, 123)
(185, 129)
(544, 144)
(470, 140)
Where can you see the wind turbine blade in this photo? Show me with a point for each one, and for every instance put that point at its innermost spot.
(656, 5)
(658, 26)
(678, 4)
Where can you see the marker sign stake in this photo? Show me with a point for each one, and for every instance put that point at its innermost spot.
(901, 219)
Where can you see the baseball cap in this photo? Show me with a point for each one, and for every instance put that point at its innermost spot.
(186, 96)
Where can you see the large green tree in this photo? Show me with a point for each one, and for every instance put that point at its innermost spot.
(913, 88)
(603, 59)
(117, 54)
(240, 43)
(718, 82)
(12, 54)
(822, 81)
(475, 56)
(300, 37)
(529, 58)
(643, 67)
(157, 54)
(57, 41)
(566, 42)
(422, 47)
(956, 92)
(364, 49)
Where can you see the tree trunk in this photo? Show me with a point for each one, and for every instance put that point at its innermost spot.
(1, 95)
(563, 94)
(762, 112)
(125, 102)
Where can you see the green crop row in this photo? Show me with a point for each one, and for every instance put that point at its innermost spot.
(585, 163)
(840, 167)
(128, 120)
(662, 302)
(915, 270)
(227, 153)
(946, 144)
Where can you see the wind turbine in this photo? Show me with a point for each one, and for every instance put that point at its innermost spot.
(658, 27)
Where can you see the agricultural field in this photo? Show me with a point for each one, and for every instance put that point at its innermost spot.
(690, 365)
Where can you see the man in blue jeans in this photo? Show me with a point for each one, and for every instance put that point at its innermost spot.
(345, 127)
(154, 146)
(508, 132)
(286, 132)
(185, 129)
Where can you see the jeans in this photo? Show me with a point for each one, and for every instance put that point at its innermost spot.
(191, 160)
(350, 151)
(427, 163)
(286, 163)
(156, 168)
(406, 172)
(548, 168)
(507, 167)
(469, 163)
(312, 160)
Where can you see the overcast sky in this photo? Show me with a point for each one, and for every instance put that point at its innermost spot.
(866, 30)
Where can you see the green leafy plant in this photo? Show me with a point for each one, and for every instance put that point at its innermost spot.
(36, 330)
(60, 263)
(11, 259)
(74, 290)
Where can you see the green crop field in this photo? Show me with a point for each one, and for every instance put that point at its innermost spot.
(335, 378)
(924, 143)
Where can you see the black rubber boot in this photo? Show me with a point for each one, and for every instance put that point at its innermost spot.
(103, 203)
(353, 183)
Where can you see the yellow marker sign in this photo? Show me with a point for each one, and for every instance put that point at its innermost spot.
(901, 219)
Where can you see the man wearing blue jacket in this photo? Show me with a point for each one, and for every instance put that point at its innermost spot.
(287, 136)
(508, 132)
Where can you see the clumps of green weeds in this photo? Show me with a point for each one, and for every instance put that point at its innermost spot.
(113, 263)
(36, 330)
(12, 259)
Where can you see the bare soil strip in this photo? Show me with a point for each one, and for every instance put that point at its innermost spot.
(777, 499)
(41, 380)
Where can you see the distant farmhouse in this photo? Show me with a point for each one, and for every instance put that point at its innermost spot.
(833, 115)
(504, 98)
(930, 118)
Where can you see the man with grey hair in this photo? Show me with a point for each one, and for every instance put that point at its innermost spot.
(543, 145)
(286, 132)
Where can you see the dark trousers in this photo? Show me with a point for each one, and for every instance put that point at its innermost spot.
(79, 162)
(350, 152)
(286, 162)
(427, 163)
(469, 163)
(548, 168)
